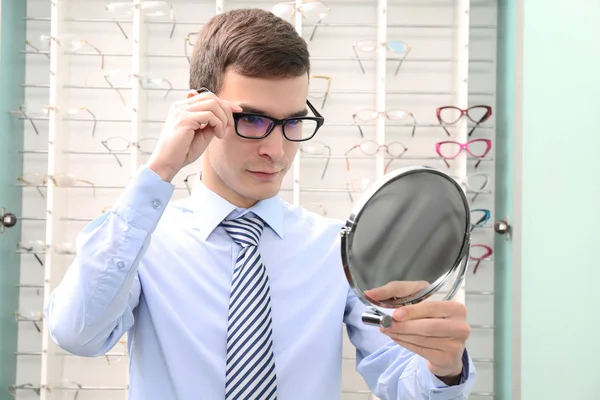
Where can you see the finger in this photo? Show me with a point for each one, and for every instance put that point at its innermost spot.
(424, 352)
(207, 118)
(213, 105)
(202, 96)
(229, 108)
(434, 356)
(396, 289)
(431, 327)
(431, 309)
(452, 345)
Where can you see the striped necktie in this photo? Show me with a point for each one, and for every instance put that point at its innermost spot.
(250, 366)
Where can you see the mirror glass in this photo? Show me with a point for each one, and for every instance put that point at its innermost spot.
(408, 237)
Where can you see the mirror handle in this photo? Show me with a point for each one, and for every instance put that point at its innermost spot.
(376, 318)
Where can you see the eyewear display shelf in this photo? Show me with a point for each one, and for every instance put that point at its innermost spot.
(99, 82)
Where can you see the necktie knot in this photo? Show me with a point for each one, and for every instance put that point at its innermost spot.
(245, 231)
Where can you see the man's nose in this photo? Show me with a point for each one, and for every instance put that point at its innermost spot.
(272, 145)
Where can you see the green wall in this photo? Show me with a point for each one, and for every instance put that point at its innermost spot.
(503, 273)
(12, 72)
(561, 200)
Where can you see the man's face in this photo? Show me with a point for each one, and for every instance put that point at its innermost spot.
(244, 171)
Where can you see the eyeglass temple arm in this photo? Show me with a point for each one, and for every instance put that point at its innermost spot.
(94, 118)
(482, 219)
(112, 86)
(314, 30)
(185, 47)
(29, 386)
(486, 255)
(485, 183)
(172, 20)
(27, 117)
(98, 51)
(358, 58)
(39, 259)
(408, 48)
(187, 184)
(485, 117)
(476, 266)
(414, 124)
(328, 78)
(443, 158)
(387, 165)
(32, 184)
(89, 183)
(346, 155)
(483, 156)
(349, 187)
(28, 43)
(121, 29)
(30, 249)
(170, 88)
(327, 161)
(111, 152)
(362, 135)
(443, 126)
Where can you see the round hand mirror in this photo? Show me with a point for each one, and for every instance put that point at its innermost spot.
(407, 237)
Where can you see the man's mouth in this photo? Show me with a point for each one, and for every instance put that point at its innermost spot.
(264, 175)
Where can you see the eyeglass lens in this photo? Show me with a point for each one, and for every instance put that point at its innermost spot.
(314, 10)
(397, 46)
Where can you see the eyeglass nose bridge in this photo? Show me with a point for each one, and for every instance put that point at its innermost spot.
(275, 123)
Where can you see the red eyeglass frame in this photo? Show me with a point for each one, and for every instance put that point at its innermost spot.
(488, 253)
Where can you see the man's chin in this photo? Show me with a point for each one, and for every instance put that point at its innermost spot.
(264, 190)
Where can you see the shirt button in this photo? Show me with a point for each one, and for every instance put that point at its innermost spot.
(121, 265)
(156, 204)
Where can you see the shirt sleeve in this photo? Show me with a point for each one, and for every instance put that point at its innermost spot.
(393, 372)
(92, 307)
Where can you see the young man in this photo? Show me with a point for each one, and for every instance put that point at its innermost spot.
(210, 313)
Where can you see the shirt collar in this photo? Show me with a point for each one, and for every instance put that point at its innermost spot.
(210, 209)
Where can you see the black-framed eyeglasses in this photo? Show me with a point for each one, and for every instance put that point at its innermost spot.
(295, 129)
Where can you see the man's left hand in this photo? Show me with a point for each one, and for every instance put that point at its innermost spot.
(435, 330)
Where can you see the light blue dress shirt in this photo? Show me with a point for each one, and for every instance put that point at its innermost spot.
(162, 270)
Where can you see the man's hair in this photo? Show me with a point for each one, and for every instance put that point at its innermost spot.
(253, 42)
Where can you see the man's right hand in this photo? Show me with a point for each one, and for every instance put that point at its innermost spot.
(190, 126)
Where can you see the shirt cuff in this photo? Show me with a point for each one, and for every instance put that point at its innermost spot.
(438, 389)
(144, 200)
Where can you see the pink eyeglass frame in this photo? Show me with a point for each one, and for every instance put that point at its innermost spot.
(463, 147)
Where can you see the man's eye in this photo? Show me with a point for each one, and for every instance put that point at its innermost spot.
(252, 119)
(294, 122)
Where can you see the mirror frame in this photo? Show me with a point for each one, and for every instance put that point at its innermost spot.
(381, 312)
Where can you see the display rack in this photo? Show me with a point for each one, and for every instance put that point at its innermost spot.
(73, 108)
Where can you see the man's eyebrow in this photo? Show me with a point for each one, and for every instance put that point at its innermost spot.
(253, 110)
